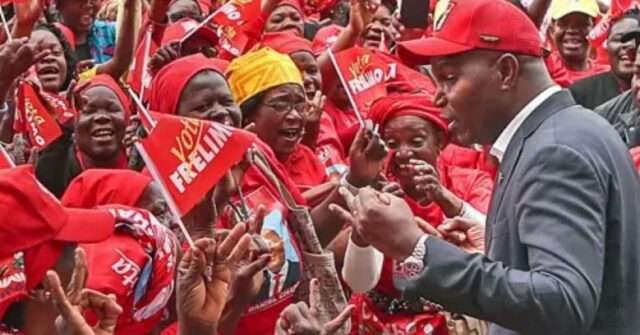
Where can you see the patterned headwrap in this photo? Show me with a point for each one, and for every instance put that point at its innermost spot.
(258, 71)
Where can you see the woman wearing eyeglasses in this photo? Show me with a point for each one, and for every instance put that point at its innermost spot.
(278, 112)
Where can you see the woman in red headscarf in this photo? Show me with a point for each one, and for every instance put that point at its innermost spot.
(138, 263)
(102, 116)
(287, 16)
(412, 128)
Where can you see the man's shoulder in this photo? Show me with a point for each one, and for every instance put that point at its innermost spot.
(616, 106)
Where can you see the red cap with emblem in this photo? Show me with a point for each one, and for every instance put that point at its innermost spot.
(465, 25)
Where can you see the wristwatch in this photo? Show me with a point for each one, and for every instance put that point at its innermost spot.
(413, 265)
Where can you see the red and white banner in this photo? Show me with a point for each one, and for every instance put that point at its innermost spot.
(363, 75)
(33, 117)
(5, 160)
(188, 156)
(230, 18)
(139, 78)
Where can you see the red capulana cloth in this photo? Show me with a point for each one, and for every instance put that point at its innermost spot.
(108, 81)
(170, 81)
(394, 105)
(105, 186)
(286, 42)
(137, 263)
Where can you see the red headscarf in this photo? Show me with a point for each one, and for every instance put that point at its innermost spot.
(108, 81)
(293, 3)
(394, 105)
(286, 42)
(168, 83)
(137, 263)
(105, 186)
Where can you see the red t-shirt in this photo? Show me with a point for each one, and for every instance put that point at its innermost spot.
(305, 169)
(284, 272)
(342, 119)
(454, 155)
(573, 76)
(329, 149)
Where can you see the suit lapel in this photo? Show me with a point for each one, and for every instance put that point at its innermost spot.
(552, 105)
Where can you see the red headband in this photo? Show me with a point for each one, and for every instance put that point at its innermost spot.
(420, 105)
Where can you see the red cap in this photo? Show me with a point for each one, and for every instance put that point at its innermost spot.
(179, 29)
(32, 226)
(464, 25)
(34, 216)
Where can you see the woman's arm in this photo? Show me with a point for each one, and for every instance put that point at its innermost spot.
(123, 54)
(362, 265)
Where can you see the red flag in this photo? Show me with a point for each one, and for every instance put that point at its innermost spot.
(139, 78)
(5, 160)
(618, 7)
(364, 75)
(230, 18)
(34, 118)
(189, 156)
(237, 12)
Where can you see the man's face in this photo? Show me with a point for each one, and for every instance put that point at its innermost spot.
(570, 37)
(621, 54)
(468, 91)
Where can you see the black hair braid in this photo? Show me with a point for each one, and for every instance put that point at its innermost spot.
(69, 54)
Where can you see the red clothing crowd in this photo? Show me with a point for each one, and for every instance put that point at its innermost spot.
(98, 238)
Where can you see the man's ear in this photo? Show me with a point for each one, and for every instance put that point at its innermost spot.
(509, 68)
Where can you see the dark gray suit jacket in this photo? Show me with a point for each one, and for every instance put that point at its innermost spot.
(563, 234)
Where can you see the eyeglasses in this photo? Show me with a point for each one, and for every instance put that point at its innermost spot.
(285, 107)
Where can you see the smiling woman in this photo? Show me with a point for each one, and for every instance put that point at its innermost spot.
(55, 71)
(97, 141)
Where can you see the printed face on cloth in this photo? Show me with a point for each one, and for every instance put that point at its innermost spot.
(102, 118)
(299, 49)
(194, 86)
(39, 228)
(412, 128)
(286, 17)
(279, 112)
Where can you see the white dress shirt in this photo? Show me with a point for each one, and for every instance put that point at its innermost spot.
(500, 146)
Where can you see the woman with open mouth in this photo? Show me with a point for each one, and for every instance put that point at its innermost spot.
(97, 139)
(415, 133)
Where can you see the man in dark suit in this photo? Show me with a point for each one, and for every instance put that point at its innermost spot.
(562, 233)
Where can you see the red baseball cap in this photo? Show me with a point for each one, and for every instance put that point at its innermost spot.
(465, 25)
(179, 29)
(33, 216)
(34, 227)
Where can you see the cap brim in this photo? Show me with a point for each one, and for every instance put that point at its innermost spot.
(631, 35)
(423, 50)
(86, 226)
(562, 13)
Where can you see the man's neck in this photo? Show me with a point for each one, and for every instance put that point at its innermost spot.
(577, 66)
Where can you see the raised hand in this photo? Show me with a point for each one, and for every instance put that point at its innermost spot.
(204, 276)
(466, 233)
(28, 12)
(77, 299)
(165, 55)
(300, 319)
(382, 220)
(367, 155)
(362, 13)
(16, 57)
(426, 181)
(314, 107)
